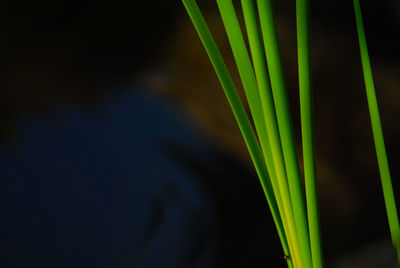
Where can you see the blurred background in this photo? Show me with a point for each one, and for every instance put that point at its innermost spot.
(119, 149)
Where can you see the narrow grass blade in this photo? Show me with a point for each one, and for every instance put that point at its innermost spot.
(239, 112)
(387, 187)
(244, 66)
(280, 181)
(285, 125)
(307, 128)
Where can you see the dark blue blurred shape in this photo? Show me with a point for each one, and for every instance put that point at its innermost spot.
(99, 191)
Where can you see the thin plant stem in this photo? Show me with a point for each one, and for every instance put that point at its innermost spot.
(280, 183)
(250, 86)
(307, 128)
(244, 66)
(285, 126)
(383, 164)
(239, 113)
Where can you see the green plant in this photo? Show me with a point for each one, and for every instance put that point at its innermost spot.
(271, 145)
(377, 132)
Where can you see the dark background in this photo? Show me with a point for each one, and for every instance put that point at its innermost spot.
(118, 148)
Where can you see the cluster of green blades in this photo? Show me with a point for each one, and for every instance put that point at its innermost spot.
(271, 145)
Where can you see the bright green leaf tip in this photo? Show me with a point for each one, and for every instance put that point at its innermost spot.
(377, 132)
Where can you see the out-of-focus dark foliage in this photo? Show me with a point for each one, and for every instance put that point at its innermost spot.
(72, 52)
(100, 37)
